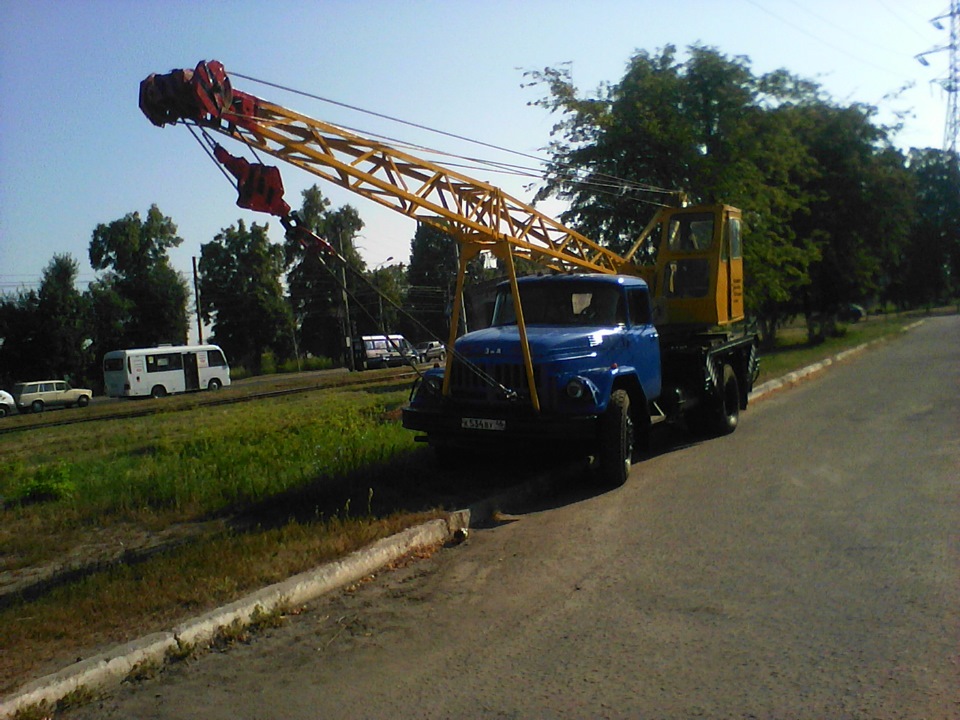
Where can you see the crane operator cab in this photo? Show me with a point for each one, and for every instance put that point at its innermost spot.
(699, 269)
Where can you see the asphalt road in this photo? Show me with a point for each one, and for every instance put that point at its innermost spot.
(804, 567)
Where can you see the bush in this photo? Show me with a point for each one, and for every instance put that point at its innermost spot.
(47, 484)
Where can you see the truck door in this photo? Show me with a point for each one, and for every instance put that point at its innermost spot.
(191, 373)
(645, 341)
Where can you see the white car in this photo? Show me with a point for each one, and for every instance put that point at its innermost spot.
(6, 403)
(39, 395)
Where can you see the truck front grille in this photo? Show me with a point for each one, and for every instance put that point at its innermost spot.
(482, 381)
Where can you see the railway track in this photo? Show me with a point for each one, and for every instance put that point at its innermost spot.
(205, 399)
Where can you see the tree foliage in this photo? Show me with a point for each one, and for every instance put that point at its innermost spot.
(240, 275)
(827, 202)
(316, 281)
(19, 320)
(930, 264)
(144, 297)
(47, 333)
(432, 275)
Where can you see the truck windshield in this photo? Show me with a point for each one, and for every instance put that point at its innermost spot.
(562, 303)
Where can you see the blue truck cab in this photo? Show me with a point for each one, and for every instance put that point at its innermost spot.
(589, 335)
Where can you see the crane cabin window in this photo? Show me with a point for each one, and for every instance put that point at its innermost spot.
(690, 232)
(733, 245)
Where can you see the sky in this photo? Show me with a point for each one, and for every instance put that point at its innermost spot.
(75, 150)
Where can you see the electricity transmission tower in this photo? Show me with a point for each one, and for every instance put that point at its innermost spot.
(951, 83)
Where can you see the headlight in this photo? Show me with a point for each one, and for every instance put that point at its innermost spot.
(428, 389)
(576, 389)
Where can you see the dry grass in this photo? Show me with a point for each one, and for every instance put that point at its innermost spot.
(126, 601)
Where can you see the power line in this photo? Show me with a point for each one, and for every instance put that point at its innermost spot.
(598, 180)
(820, 40)
(827, 21)
(907, 24)
(950, 83)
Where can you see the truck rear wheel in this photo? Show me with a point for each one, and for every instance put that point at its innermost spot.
(727, 413)
(615, 454)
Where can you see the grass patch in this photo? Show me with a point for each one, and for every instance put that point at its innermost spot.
(238, 496)
(180, 467)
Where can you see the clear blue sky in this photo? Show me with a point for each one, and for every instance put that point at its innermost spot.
(75, 150)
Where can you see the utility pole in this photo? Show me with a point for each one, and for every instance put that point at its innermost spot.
(344, 298)
(196, 302)
(376, 279)
(950, 83)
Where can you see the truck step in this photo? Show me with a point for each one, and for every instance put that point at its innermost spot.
(656, 414)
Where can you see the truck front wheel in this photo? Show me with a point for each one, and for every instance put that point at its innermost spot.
(615, 453)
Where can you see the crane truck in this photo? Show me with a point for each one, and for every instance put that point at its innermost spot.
(587, 356)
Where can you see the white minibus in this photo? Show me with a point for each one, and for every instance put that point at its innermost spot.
(163, 370)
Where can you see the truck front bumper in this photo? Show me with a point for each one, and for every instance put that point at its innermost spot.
(478, 427)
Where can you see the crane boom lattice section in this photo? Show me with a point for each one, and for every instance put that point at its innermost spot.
(473, 211)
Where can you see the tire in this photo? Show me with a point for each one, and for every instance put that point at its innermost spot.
(36, 406)
(3, 411)
(83, 401)
(726, 414)
(158, 391)
(214, 385)
(615, 452)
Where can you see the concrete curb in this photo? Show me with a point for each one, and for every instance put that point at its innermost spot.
(111, 668)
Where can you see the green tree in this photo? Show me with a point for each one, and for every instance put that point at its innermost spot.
(382, 297)
(19, 333)
(153, 295)
(432, 277)
(240, 275)
(707, 128)
(47, 334)
(64, 328)
(316, 280)
(931, 261)
(859, 208)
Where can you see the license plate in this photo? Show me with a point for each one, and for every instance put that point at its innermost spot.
(482, 424)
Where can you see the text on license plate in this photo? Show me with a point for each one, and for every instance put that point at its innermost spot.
(482, 424)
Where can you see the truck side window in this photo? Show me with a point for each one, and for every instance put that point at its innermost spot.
(639, 302)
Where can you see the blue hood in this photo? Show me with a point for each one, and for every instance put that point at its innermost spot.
(547, 342)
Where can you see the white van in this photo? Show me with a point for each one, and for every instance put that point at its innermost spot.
(379, 351)
(163, 370)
